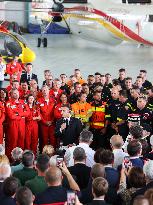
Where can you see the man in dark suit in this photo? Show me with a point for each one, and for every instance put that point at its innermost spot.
(99, 189)
(28, 75)
(68, 128)
(80, 170)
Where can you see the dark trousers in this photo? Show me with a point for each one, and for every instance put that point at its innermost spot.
(99, 139)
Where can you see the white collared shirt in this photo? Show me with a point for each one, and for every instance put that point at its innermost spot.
(118, 157)
(89, 153)
(2, 71)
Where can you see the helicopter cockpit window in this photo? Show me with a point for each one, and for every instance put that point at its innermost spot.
(12, 46)
(9, 46)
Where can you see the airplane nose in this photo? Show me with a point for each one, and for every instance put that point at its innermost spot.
(27, 55)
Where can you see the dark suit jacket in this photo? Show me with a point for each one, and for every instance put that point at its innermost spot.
(82, 173)
(71, 134)
(98, 202)
(24, 77)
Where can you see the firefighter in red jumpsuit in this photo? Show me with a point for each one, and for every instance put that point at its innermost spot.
(2, 118)
(47, 124)
(31, 131)
(56, 92)
(16, 111)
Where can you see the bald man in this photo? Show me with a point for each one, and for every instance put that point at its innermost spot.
(116, 143)
(55, 193)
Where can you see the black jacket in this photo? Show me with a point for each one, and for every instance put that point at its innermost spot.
(71, 134)
(24, 78)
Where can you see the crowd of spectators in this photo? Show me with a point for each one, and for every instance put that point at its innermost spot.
(89, 140)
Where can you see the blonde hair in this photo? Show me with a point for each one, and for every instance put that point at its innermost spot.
(49, 150)
(4, 159)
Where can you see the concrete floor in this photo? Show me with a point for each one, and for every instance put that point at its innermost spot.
(66, 52)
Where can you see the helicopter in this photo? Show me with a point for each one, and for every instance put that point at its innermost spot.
(12, 44)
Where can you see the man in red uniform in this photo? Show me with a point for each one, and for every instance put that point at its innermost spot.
(47, 126)
(14, 68)
(24, 92)
(56, 92)
(16, 111)
(2, 118)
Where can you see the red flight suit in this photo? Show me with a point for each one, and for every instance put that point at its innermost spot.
(2, 118)
(56, 97)
(31, 131)
(12, 68)
(47, 114)
(16, 112)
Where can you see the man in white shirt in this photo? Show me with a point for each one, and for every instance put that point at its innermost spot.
(85, 140)
(2, 70)
(117, 142)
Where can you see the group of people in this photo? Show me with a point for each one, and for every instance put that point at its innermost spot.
(94, 135)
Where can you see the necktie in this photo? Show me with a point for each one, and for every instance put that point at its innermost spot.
(28, 77)
(67, 123)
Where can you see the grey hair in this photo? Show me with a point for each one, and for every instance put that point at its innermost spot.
(148, 169)
(5, 171)
(86, 136)
(17, 153)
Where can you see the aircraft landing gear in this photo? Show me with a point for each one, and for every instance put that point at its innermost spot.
(42, 40)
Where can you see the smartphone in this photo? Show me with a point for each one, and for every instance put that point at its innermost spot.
(127, 162)
(59, 161)
(71, 197)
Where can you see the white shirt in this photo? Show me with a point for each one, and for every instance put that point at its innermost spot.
(118, 157)
(89, 153)
(2, 71)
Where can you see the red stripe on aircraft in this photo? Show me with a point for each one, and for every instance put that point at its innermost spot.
(116, 23)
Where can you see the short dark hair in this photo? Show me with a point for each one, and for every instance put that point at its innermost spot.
(139, 77)
(86, 136)
(97, 73)
(107, 157)
(107, 74)
(28, 158)
(136, 177)
(134, 147)
(143, 71)
(136, 131)
(97, 170)
(10, 186)
(43, 162)
(90, 76)
(122, 70)
(75, 84)
(128, 78)
(29, 64)
(123, 93)
(84, 84)
(24, 196)
(100, 186)
(97, 155)
(77, 69)
(79, 154)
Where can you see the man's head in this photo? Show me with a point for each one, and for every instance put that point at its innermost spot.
(141, 200)
(10, 186)
(115, 93)
(97, 96)
(143, 74)
(45, 91)
(29, 67)
(42, 163)
(63, 78)
(15, 94)
(77, 73)
(122, 74)
(108, 78)
(97, 77)
(28, 158)
(134, 148)
(97, 170)
(65, 111)
(17, 153)
(24, 196)
(86, 137)
(15, 84)
(47, 73)
(99, 187)
(128, 83)
(56, 84)
(139, 81)
(136, 132)
(77, 87)
(90, 79)
(103, 79)
(141, 102)
(53, 176)
(135, 92)
(79, 155)
(5, 171)
(24, 86)
(85, 88)
(33, 83)
(107, 157)
(116, 142)
(83, 97)
(123, 96)
(148, 170)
